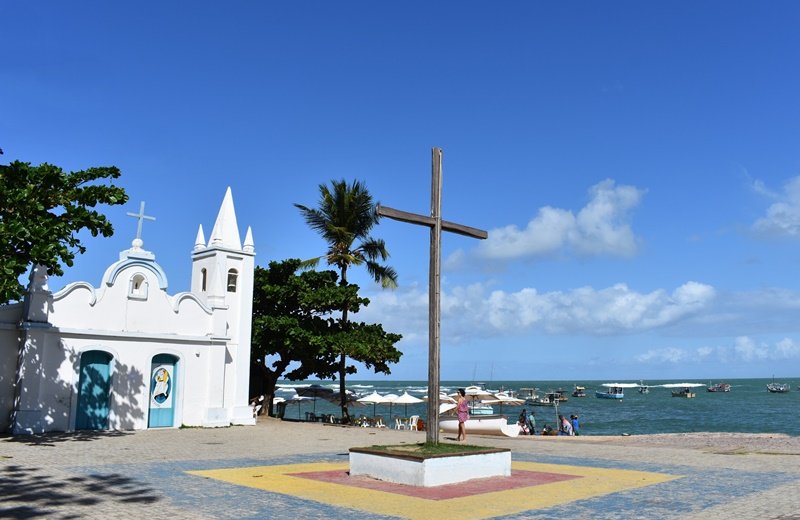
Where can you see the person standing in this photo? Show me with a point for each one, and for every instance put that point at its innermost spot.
(566, 427)
(532, 422)
(462, 408)
(575, 424)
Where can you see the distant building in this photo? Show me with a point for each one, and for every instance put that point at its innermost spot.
(128, 355)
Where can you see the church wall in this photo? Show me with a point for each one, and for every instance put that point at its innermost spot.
(117, 307)
(9, 347)
(130, 380)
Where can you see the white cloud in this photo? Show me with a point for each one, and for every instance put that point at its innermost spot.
(744, 349)
(602, 227)
(475, 311)
(783, 216)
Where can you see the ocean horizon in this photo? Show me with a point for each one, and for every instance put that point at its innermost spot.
(747, 408)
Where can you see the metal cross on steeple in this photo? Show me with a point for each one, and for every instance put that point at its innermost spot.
(142, 217)
(437, 225)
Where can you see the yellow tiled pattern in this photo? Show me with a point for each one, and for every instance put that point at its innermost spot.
(594, 482)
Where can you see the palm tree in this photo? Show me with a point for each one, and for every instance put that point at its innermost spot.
(344, 217)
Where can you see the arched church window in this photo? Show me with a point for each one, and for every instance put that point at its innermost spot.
(232, 277)
(204, 277)
(138, 287)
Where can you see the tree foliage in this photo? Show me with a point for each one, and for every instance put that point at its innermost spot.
(293, 325)
(43, 209)
(344, 217)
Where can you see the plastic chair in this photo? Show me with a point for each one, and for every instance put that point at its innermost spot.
(398, 423)
(412, 422)
(379, 422)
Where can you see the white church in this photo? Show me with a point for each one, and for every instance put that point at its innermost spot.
(128, 355)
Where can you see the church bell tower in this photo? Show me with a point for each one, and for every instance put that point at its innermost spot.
(222, 276)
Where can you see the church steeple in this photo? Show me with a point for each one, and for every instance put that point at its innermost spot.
(226, 231)
(200, 240)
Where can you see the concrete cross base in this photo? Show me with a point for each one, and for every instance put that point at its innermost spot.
(429, 471)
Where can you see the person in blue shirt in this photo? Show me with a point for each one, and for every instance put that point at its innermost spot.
(575, 424)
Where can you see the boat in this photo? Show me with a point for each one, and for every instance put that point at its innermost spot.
(532, 398)
(559, 395)
(481, 409)
(480, 424)
(685, 392)
(580, 391)
(778, 388)
(719, 387)
(614, 390)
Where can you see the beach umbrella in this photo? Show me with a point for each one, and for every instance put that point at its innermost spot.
(502, 398)
(475, 393)
(316, 391)
(390, 398)
(299, 399)
(374, 398)
(407, 399)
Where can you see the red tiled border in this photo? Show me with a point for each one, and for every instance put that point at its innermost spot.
(518, 479)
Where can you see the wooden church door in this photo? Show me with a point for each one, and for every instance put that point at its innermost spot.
(162, 391)
(94, 391)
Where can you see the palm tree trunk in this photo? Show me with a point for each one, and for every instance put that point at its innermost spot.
(343, 358)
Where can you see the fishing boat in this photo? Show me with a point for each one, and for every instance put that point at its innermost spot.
(683, 389)
(611, 392)
(532, 398)
(684, 392)
(614, 390)
(643, 388)
(480, 424)
(719, 387)
(778, 388)
(580, 391)
(559, 395)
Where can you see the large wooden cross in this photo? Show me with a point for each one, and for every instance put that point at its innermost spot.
(437, 225)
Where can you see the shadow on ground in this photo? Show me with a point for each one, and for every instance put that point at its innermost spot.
(34, 492)
(53, 438)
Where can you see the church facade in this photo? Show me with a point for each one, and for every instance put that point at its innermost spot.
(128, 355)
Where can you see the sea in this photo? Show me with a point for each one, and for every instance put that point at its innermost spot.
(747, 408)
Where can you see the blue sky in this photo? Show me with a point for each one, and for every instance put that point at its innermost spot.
(635, 163)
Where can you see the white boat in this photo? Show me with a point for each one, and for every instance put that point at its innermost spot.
(481, 424)
(614, 390)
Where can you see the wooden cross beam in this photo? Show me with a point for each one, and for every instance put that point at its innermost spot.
(437, 225)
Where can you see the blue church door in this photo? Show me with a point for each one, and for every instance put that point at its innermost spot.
(94, 391)
(162, 391)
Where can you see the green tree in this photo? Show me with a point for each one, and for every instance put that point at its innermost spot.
(293, 324)
(43, 209)
(344, 218)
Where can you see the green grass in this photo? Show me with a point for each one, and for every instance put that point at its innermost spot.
(425, 449)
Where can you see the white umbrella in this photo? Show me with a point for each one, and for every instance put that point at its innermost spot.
(374, 398)
(475, 393)
(407, 399)
(299, 399)
(502, 398)
(390, 398)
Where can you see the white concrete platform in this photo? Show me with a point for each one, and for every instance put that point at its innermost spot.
(429, 471)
